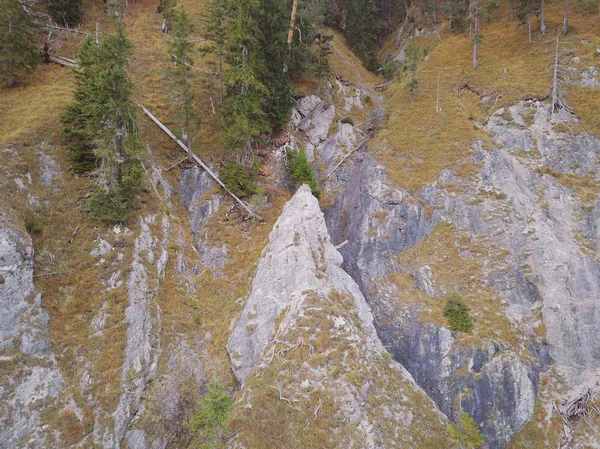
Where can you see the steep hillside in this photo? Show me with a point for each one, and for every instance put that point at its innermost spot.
(323, 323)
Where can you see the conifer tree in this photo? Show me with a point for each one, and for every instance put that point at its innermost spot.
(244, 114)
(413, 55)
(527, 9)
(362, 30)
(466, 433)
(255, 62)
(181, 49)
(82, 123)
(65, 12)
(480, 9)
(321, 66)
(101, 127)
(216, 31)
(18, 37)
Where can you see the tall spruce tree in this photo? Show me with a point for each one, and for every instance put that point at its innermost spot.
(244, 108)
(65, 12)
(249, 39)
(321, 66)
(82, 123)
(362, 30)
(101, 127)
(180, 49)
(18, 40)
(216, 32)
(480, 9)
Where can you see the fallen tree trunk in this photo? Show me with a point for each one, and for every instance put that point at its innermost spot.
(63, 61)
(205, 167)
(358, 147)
(67, 30)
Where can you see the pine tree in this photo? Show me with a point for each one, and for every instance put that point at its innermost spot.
(101, 127)
(459, 14)
(18, 35)
(66, 12)
(255, 63)
(480, 9)
(278, 61)
(82, 123)
(244, 108)
(362, 30)
(321, 66)
(413, 55)
(527, 9)
(216, 31)
(181, 49)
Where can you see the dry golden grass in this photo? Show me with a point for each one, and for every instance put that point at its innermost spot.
(35, 103)
(417, 143)
(456, 260)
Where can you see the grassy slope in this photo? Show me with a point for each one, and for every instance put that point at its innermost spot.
(432, 141)
(417, 143)
(72, 298)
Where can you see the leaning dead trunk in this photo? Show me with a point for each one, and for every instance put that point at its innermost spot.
(566, 24)
(292, 25)
(555, 99)
(476, 34)
(542, 23)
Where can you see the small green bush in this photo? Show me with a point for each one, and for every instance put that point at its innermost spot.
(115, 203)
(238, 179)
(466, 432)
(301, 171)
(456, 312)
(33, 225)
(208, 423)
(348, 120)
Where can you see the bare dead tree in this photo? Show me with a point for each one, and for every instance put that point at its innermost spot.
(542, 23)
(560, 80)
(292, 25)
(566, 22)
(578, 406)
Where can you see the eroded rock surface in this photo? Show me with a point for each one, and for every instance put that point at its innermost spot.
(33, 383)
(300, 296)
(548, 234)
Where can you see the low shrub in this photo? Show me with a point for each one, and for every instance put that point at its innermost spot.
(348, 120)
(208, 423)
(457, 313)
(114, 204)
(301, 171)
(33, 225)
(239, 179)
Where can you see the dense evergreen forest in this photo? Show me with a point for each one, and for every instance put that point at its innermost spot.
(256, 50)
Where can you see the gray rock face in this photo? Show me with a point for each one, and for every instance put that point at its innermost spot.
(194, 190)
(299, 257)
(547, 267)
(34, 381)
(142, 350)
(314, 117)
(297, 286)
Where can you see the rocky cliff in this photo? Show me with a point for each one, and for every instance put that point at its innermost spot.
(307, 353)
